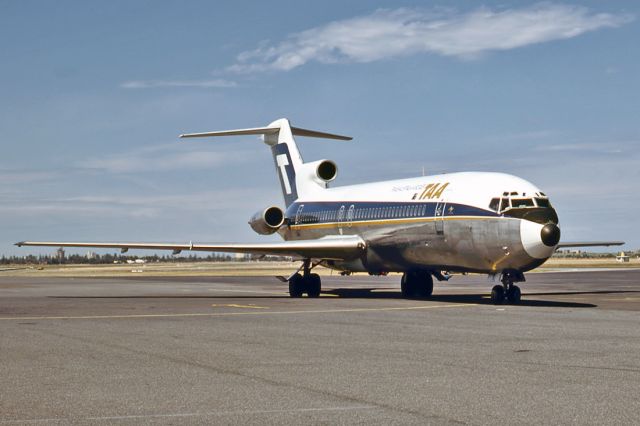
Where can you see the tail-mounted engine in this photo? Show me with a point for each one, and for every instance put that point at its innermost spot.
(267, 221)
(321, 172)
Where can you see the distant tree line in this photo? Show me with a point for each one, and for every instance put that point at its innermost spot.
(96, 259)
(579, 254)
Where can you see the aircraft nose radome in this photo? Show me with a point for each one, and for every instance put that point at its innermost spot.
(550, 234)
(538, 240)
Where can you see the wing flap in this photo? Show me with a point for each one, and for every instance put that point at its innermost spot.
(339, 248)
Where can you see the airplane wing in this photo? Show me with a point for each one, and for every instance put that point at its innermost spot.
(335, 248)
(590, 244)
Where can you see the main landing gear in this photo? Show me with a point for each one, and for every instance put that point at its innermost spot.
(508, 291)
(416, 284)
(305, 283)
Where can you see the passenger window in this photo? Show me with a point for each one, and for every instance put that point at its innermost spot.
(494, 204)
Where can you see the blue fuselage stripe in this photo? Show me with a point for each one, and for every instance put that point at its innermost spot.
(318, 212)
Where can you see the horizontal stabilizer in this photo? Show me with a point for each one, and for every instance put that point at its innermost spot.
(590, 244)
(336, 248)
(237, 132)
(296, 131)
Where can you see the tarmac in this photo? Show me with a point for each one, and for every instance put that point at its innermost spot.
(238, 350)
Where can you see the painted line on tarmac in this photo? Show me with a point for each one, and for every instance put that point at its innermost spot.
(235, 305)
(229, 290)
(183, 415)
(229, 314)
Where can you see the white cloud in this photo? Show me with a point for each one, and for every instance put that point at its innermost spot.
(136, 205)
(401, 32)
(162, 158)
(21, 176)
(133, 164)
(152, 84)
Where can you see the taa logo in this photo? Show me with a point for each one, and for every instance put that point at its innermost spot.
(433, 190)
(283, 162)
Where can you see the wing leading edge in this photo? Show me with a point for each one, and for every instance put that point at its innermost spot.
(339, 248)
(590, 244)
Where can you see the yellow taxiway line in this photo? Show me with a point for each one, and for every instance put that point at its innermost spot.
(229, 314)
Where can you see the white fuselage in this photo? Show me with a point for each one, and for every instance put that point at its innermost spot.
(443, 222)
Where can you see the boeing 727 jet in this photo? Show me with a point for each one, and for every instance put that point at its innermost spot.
(425, 227)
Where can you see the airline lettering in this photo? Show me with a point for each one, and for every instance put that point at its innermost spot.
(433, 190)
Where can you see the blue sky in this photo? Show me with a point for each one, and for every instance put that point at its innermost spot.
(94, 94)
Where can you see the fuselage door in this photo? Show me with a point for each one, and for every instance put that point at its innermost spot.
(350, 215)
(340, 219)
(439, 217)
(299, 214)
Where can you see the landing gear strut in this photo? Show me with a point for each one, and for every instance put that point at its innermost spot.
(306, 282)
(508, 290)
(416, 284)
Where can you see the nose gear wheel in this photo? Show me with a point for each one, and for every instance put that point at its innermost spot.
(508, 291)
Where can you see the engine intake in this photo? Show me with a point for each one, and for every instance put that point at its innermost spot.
(327, 170)
(267, 221)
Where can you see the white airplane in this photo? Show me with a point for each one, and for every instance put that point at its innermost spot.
(424, 227)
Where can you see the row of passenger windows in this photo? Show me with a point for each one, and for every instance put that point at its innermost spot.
(353, 213)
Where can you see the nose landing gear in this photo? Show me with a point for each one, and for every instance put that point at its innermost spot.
(508, 291)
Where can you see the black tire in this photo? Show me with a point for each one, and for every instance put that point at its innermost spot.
(314, 285)
(416, 284)
(514, 294)
(497, 295)
(296, 285)
(423, 284)
(406, 286)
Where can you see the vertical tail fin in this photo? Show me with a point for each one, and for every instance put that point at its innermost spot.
(286, 156)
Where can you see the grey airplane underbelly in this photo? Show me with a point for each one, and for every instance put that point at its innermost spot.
(487, 245)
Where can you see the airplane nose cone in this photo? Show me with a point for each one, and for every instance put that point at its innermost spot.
(550, 234)
(539, 241)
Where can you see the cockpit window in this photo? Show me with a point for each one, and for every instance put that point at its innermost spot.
(504, 204)
(543, 202)
(536, 209)
(518, 203)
